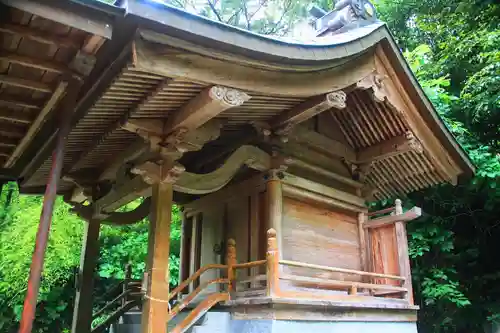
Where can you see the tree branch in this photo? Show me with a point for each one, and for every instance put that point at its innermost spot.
(212, 7)
(285, 11)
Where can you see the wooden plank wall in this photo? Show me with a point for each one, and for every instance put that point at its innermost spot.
(241, 218)
(384, 252)
(316, 235)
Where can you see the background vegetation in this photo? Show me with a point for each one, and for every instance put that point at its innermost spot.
(453, 47)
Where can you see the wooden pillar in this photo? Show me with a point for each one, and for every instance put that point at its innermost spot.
(194, 252)
(155, 308)
(182, 254)
(82, 313)
(403, 255)
(275, 205)
(272, 270)
(230, 262)
(42, 235)
(362, 241)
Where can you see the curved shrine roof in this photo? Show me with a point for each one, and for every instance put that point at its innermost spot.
(160, 60)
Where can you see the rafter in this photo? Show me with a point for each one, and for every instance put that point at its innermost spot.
(19, 117)
(16, 101)
(79, 20)
(46, 65)
(27, 84)
(11, 130)
(8, 142)
(39, 36)
(392, 147)
(27, 136)
(309, 109)
(148, 97)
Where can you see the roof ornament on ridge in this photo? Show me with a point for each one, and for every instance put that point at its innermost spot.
(346, 15)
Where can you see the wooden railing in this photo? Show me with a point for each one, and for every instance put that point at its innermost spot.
(129, 297)
(214, 298)
(275, 275)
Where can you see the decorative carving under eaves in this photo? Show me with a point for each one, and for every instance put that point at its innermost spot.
(337, 99)
(229, 96)
(176, 143)
(279, 164)
(359, 172)
(375, 82)
(413, 142)
(158, 172)
(283, 132)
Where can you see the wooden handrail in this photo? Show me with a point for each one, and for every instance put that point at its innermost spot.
(193, 277)
(250, 264)
(115, 315)
(340, 270)
(200, 309)
(185, 302)
(338, 283)
(382, 211)
(111, 303)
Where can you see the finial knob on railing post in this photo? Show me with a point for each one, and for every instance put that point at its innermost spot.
(272, 257)
(230, 262)
(398, 208)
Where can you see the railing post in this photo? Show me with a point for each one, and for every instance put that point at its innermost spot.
(231, 261)
(403, 256)
(272, 257)
(128, 276)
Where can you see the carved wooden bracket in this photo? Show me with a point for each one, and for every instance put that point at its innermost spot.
(284, 123)
(154, 173)
(414, 143)
(359, 171)
(176, 143)
(375, 82)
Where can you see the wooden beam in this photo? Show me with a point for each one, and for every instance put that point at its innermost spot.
(16, 101)
(322, 143)
(409, 215)
(155, 307)
(392, 147)
(310, 186)
(39, 36)
(325, 172)
(45, 65)
(309, 109)
(207, 105)
(38, 122)
(82, 311)
(70, 18)
(130, 153)
(27, 84)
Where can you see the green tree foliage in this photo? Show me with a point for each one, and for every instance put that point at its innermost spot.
(17, 239)
(455, 54)
(19, 216)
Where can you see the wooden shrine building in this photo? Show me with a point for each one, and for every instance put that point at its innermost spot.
(272, 147)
